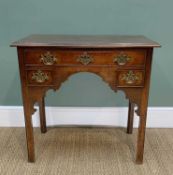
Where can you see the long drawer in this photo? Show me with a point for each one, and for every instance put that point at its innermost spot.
(118, 57)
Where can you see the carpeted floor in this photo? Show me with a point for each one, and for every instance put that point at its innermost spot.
(86, 151)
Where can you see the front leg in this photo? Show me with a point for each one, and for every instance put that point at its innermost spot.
(141, 139)
(29, 129)
(141, 130)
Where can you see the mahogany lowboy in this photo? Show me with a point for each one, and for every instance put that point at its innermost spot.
(124, 62)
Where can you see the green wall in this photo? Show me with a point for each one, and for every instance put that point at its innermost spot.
(153, 18)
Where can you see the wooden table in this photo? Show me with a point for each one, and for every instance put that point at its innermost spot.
(124, 62)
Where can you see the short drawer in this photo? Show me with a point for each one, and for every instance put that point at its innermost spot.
(118, 57)
(39, 77)
(130, 78)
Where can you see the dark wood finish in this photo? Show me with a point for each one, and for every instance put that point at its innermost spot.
(124, 62)
(86, 41)
(143, 110)
(130, 118)
(27, 105)
(100, 57)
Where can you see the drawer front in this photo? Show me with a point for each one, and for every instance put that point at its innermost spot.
(130, 78)
(118, 57)
(39, 77)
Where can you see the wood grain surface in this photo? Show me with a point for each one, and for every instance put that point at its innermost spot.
(80, 41)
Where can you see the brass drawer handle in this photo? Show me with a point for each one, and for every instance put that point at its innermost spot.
(122, 59)
(40, 77)
(130, 77)
(85, 58)
(48, 59)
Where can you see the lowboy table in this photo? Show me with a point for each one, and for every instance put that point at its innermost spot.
(124, 62)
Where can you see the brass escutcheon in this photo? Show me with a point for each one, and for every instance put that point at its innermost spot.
(85, 58)
(122, 59)
(40, 77)
(130, 77)
(48, 59)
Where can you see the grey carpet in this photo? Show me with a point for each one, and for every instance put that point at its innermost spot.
(86, 151)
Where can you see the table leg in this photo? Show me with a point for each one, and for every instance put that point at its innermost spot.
(130, 118)
(141, 130)
(143, 111)
(42, 116)
(141, 140)
(29, 131)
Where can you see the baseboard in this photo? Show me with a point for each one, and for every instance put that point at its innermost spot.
(158, 117)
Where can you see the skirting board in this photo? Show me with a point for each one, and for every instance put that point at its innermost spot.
(158, 117)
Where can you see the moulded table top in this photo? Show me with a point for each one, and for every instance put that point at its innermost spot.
(85, 41)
